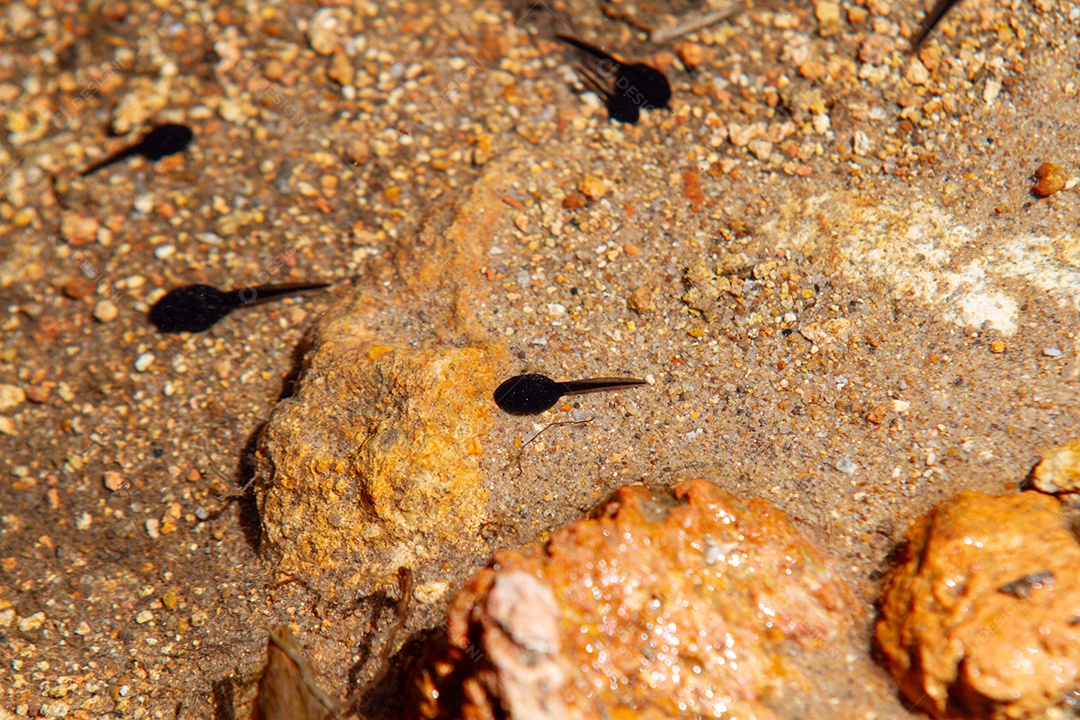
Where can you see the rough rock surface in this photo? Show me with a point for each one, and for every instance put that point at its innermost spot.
(980, 617)
(373, 464)
(654, 609)
(1059, 469)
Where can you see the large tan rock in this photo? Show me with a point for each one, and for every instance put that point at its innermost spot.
(981, 616)
(660, 607)
(373, 463)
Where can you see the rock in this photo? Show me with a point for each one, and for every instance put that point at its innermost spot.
(642, 300)
(113, 480)
(876, 48)
(978, 618)
(374, 463)
(106, 311)
(1049, 179)
(1059, 469)
(341, 70)
(32, 622)
(659, 607)
(704, 288)
(79, 229)
(828, 17)
(78, 287)
(11, 396)
(327, 29)
(138, 106)
(593, 188)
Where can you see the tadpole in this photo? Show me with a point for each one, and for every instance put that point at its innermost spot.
(534, 393)
(641, 85)
(619, 107)
(161, 141)
(931, 20)
(197, 308)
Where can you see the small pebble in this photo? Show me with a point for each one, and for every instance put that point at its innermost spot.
(53, 710)
(83, 521)
(38, 393)
(592, 187)
(153, 528)
(997, 347)
(11, 396)
(113, 481)
(144, 617)
(1049, 179)
(1052, 352)
(143, 362)
(169, 600)
(201, 513)
(79, 287)
(164, 251)
(642, 300)
(846, 466)
(105, 311)
(33, 622)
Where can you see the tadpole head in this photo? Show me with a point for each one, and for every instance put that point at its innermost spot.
(192, 308)
(528, 394)
(165, 140)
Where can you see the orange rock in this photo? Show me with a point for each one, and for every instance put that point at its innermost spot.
(1049, 179)
(660, 607)
(978, 619)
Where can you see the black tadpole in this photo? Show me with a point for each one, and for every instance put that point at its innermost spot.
(931, 20)
(640, 85)
(619, 107)
(534, 393)
(162, 141)
(197, 308)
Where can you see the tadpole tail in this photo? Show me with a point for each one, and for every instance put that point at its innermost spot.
(599, 384)
(111, 160)
(591, 83)
(586, 47)
(931, 20)
(264, 293)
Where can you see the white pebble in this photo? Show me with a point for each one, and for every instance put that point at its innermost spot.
(144, 617)
(143, 362)
(83, 521)
(1052, 352)
(144, 203)
(164, 251)
(153, 526)
(846, 466)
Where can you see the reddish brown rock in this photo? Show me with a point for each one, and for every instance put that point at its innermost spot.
(1049, 179)
(657, 608)
(980, 617)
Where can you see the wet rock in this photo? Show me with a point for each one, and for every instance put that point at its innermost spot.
(979, 617)
(657, 608)
(1059, 469)
(374, 463)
